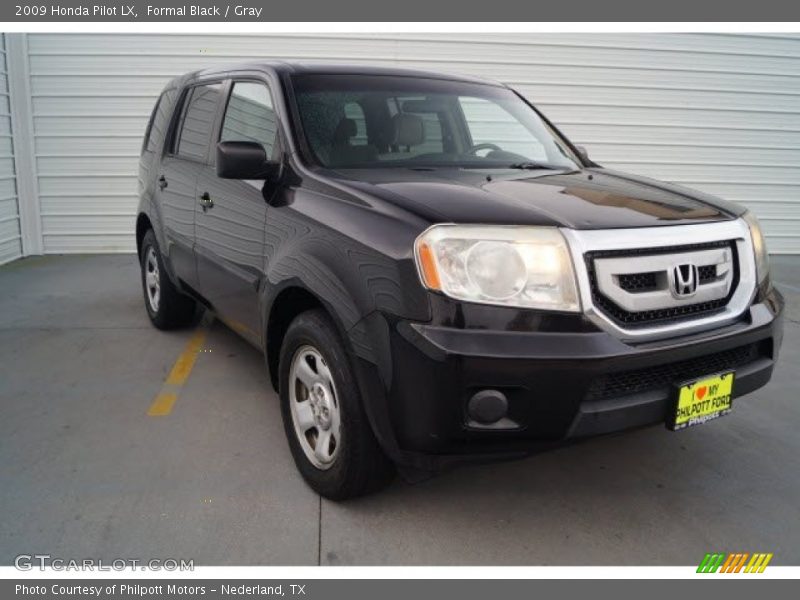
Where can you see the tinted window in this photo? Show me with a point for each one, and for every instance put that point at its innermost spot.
(421, 122)
(146, 143)
(198, 120)
(159, 120)
(250, 116)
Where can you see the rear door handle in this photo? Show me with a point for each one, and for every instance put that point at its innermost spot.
(205, 201)
(162, 182)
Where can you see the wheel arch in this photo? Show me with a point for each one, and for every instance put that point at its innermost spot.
(290, 302)
(293, 299)
(143, 223)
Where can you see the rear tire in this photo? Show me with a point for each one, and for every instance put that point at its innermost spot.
(329, 435)
(166, 306)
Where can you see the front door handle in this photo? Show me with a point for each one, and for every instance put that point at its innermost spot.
(162, 182)
(205, 201)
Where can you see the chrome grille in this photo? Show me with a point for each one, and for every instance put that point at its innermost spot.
(639, 287)
(733, 234)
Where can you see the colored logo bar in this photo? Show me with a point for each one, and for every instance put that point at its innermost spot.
(734, 562)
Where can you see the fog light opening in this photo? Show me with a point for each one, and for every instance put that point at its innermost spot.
(488, 409)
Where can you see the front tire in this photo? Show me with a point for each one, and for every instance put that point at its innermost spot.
(329, 435)
(166, 306)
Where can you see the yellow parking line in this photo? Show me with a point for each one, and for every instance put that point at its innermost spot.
(168, 395)
(162, 405)
(183, 366)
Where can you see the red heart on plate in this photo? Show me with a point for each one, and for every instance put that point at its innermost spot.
(700, 392)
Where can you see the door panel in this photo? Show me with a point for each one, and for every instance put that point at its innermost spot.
(176, 192)
(230, 233)
(177, 178)
(230, 249)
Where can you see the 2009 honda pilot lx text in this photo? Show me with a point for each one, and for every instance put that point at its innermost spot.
(436, 274)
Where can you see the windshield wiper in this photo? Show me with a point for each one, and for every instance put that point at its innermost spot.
(529, 166)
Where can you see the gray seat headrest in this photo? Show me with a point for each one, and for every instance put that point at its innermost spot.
(407, 130)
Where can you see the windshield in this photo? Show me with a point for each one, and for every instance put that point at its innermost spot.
(366, 121)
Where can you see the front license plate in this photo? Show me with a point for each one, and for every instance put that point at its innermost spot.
(702, 401)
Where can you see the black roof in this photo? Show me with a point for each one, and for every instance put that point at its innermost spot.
(281, 67)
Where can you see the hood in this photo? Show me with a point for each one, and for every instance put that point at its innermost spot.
(593, 198)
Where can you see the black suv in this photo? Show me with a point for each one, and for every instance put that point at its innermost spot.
(435, 273)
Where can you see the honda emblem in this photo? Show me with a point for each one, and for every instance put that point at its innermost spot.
(684, 280)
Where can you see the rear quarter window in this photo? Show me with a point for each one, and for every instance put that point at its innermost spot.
(159, 121)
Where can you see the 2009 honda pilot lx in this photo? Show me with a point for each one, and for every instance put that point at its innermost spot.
(435, 273)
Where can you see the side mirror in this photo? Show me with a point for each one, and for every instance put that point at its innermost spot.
(583, 152)
(243, 160)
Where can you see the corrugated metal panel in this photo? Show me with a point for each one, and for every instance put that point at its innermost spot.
(717, 112)
(10, 240)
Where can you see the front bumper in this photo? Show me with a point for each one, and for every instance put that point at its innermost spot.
(560, 385)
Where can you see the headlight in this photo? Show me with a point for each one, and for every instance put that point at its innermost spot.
(759, 246)
(527, 267)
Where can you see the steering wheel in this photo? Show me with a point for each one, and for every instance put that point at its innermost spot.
(485, 146)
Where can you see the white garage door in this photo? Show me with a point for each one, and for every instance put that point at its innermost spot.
(10, 242)
(717, 112)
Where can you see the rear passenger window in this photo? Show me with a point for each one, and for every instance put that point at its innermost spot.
(159, 120)
(146, 143)
(198, 120)
(250, 116)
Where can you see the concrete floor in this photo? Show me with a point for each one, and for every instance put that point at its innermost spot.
(85, 472)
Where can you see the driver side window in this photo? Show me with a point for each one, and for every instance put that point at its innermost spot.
(250, 116)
